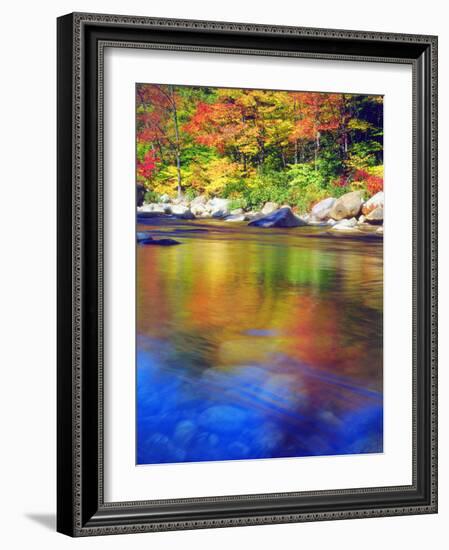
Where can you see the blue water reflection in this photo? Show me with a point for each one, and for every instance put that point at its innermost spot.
(249, 412)
(258, 345)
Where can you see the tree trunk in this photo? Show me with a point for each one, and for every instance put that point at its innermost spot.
(261, 154)
(178, 170)
(177, 144)
(317, 148)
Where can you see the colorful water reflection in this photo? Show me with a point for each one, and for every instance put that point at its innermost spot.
(257, 344)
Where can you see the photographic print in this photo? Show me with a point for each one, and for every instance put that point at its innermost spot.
(222, 292)
(259, 299)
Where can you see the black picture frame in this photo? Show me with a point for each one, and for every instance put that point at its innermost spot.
(81, 510)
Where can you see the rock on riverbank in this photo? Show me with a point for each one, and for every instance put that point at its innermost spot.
(347, 206)
(349, 213)
(283, 217)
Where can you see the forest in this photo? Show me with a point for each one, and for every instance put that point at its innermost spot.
(252, 146)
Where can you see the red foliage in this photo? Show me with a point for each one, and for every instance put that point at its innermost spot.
(154, 121)
(147, 166)
(342, 181)
(316, 112)
(374, 184)
(216, 125)
(151, 126)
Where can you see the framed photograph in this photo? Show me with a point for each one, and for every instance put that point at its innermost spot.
(246, 274)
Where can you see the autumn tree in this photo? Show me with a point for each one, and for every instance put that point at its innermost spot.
(314, 114)
(158, 122)
(257, 144)
(246, 124)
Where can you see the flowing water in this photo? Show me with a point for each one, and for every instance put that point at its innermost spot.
(257, 343)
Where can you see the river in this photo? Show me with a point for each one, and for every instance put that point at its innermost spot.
(257, 343)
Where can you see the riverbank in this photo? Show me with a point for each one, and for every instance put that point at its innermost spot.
(348, 215)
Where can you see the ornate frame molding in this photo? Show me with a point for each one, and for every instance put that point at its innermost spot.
(82, 511)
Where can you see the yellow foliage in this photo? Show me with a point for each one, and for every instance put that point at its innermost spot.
(357, 124)
(376, 170)
(212, 177)
(357, 186)
(356, 162)
(166, 181)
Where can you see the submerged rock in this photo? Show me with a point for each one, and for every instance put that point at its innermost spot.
(236, 218)
(191, 230)
(316, 223)
(283, 217)
(142, 236)
(143, 214)
(345, 225)
(159, 242)
(184, 432)
(347, 206)
(220, 213)
(223, 418)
